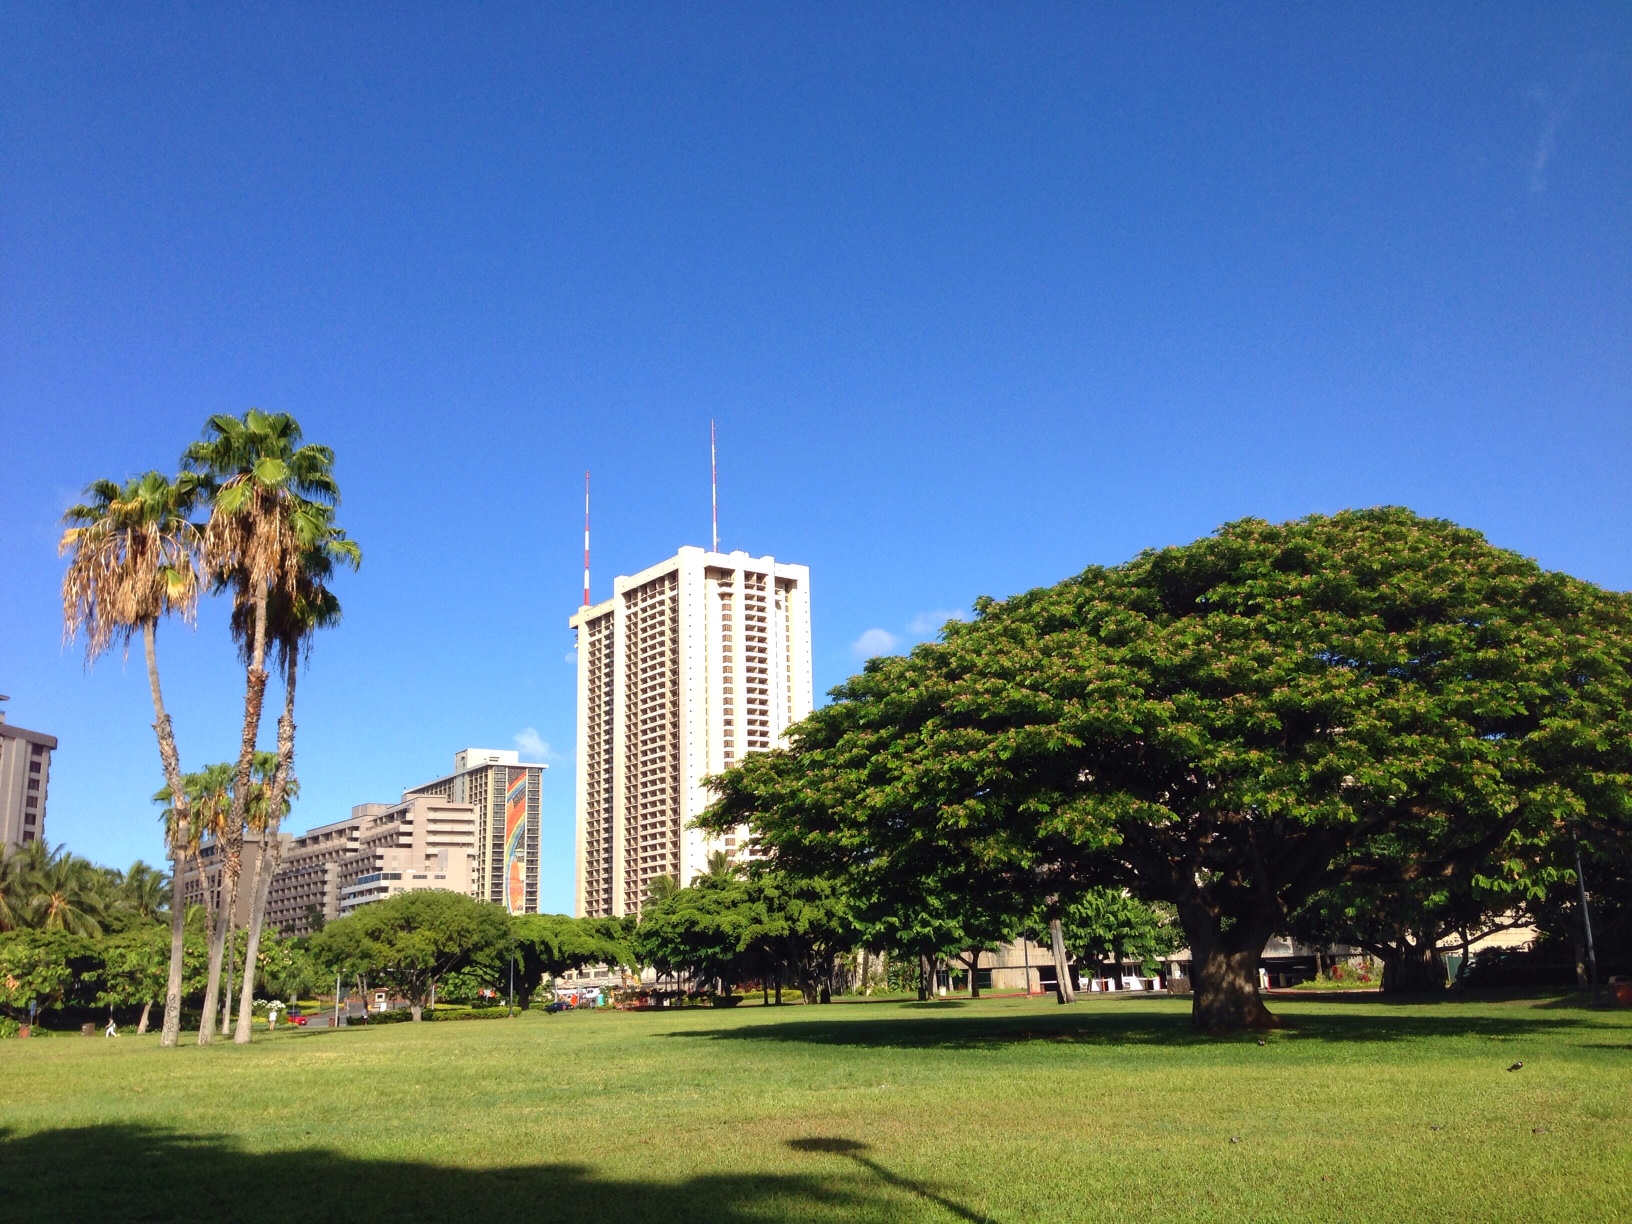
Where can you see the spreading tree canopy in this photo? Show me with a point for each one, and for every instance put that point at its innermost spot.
(1229, 727)
(413, 940)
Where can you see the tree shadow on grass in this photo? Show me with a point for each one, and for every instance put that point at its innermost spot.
(1131, 1027)
(131, 1172)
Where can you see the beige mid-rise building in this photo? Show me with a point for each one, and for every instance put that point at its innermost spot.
(423, 842)
(692, 664)
(204, 879)
(507, 794)
(25, 777)
(305, 891)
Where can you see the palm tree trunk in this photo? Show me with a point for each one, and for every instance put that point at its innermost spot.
(226, 1002)
(170, 759)
(271, 847)
(218, 951)
(254, 697)
(1062, 966)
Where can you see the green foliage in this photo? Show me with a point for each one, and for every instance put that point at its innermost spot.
(411, 941)
(551, 944)
(1109, 925)
(1229, 727)
(728, 926)
(701, 930)
(123, 970)
(50, 889)
(44, 967)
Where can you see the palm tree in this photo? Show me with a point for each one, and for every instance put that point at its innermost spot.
(208, 796)
(294, 614)
(19, 874)
(67, 895)
(144, 891)
(133, 561)
(270, 496)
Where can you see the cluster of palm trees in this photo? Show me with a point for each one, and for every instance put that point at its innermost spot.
(209, 801)
(250, 516)
(51, 890)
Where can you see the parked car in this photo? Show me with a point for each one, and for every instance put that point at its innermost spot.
(294, 1016)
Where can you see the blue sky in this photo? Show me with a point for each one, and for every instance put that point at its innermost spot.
(979, 295)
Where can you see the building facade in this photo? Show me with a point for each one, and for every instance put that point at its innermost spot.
(305, 891)
(507, 794)
(204, 878)
(25, 779)
(692, 664)
(423, 842)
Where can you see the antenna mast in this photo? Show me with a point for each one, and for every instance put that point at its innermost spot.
(714, 483)
(586, 539)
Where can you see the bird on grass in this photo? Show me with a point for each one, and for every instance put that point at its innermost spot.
(1515, 1066)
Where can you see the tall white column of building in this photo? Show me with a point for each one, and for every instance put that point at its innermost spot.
(691, 664)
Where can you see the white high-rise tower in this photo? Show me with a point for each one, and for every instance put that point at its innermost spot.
(690, 665)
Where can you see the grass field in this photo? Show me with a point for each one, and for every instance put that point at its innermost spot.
(1003, 1110)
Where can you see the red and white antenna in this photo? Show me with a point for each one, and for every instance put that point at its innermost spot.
(586, 539)
(714, 483)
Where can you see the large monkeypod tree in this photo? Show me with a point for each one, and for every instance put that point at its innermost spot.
(1226, 727)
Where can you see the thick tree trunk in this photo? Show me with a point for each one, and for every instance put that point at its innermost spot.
(170, 759)
(1062, 968)
(923, 977)
(416, 1010)
(271, 847)
(141, 1025)
(1413, 968)
(254, 697)
(1224, 973)
(971, 958)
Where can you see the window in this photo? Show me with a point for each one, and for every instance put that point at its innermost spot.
(33, 767)
(37, 749)
(33, 784)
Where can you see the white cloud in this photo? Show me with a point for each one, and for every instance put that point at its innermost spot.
(1554, 109)
(927, 624)
(533, 747)
(874, 642)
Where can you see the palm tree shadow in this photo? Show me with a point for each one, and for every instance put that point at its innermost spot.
(855, 1151)
(131, 1172)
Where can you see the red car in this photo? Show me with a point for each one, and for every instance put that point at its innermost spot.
(294, 1016)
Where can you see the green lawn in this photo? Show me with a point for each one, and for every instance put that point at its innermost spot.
(1006, 1110)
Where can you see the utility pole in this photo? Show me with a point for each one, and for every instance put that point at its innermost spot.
(512, 983)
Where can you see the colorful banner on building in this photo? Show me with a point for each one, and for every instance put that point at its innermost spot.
(515, 843)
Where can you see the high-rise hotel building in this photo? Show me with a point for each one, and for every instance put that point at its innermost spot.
(689, 666)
